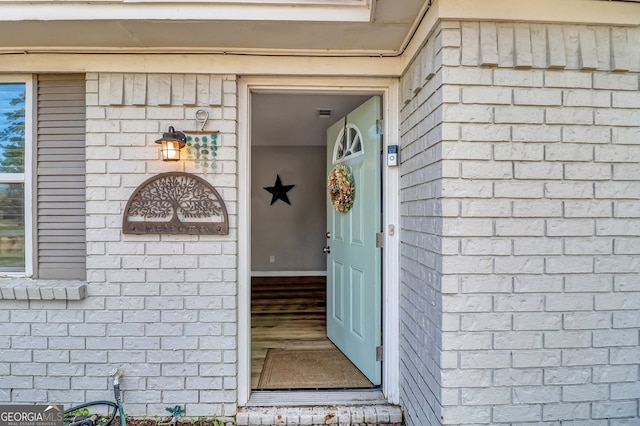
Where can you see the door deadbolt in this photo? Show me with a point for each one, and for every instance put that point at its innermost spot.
(328, 235)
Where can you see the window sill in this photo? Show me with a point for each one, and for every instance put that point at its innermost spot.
(30, 289)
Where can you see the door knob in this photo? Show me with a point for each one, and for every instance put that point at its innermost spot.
(326, 250)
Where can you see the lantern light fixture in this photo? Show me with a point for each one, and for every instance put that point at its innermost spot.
(171, 144)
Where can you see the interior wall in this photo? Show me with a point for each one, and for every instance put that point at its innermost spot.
(293, 234)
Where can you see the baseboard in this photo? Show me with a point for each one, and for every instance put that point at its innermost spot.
(288, 273)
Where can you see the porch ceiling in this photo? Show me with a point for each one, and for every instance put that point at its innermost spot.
(316, 27)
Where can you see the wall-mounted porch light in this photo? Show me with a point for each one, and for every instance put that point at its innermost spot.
(172, 142)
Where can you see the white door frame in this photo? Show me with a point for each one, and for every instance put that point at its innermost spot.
(388, 88)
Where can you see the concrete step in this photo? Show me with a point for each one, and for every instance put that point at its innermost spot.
(343, 415)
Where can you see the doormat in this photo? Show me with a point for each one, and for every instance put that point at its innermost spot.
(310, 369)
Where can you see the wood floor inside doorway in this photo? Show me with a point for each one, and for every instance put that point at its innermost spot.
(286, 313)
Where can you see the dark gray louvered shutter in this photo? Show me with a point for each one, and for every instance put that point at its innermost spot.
(61, 229)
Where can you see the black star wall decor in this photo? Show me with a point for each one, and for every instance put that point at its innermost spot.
(279, 191)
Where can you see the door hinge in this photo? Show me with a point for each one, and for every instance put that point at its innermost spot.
(379, 239)
(378, 353)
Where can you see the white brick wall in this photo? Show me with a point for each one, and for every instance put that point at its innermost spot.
(163, 308)
(169, 299)
(421, 249)
(539, 247)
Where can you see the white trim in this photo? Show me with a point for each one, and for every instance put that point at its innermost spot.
(29, 180)
(200, 64)
(29, 170)
(244, 244)
(548, 11)
(194, 10)
(288, 273)
(12, 177)
(391, 251)
(390, 287)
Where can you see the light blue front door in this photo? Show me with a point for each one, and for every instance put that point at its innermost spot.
(353, 263)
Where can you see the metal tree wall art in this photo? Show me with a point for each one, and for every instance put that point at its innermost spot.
(175, 203)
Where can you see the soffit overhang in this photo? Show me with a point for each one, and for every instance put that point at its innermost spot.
(303, 27)
(383, 47)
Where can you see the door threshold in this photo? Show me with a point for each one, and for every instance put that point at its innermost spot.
(305, 398)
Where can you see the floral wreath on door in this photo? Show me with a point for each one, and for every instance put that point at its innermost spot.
(342, 190)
